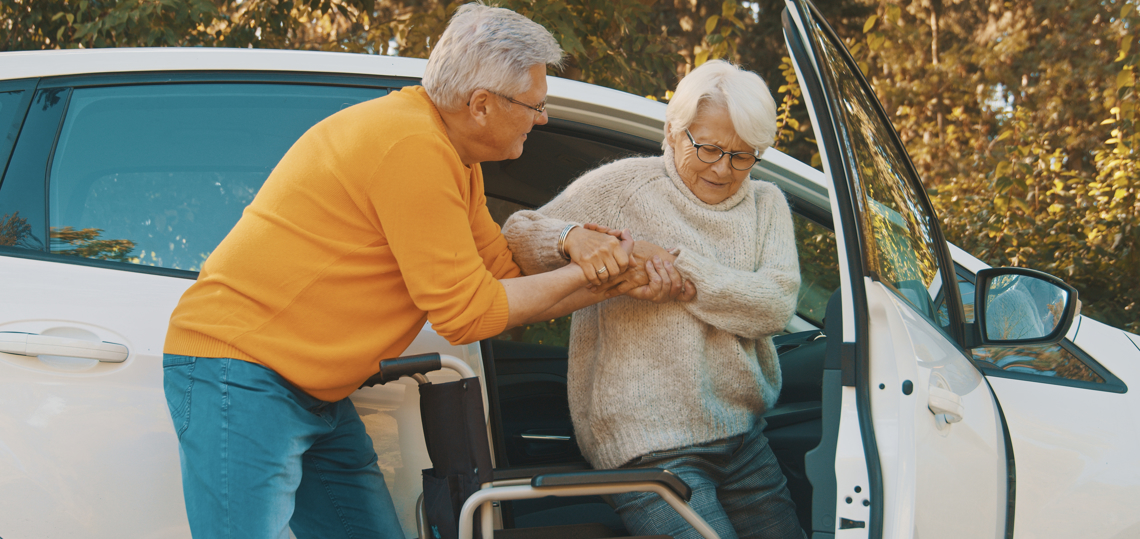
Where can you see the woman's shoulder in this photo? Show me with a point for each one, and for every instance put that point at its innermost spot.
(621, 175)
(633, 167)
(766, 192)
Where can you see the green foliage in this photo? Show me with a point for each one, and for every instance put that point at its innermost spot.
(619, 44)
(1020, 122)
(554, 332)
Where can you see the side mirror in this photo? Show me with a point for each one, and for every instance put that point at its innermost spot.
(1022, 306)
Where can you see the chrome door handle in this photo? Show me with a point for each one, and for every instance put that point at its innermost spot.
(31, 344)
(545, 437)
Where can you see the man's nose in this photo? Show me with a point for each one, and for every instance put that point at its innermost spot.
(542, 118)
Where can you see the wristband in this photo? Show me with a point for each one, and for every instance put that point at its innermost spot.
(562, 241)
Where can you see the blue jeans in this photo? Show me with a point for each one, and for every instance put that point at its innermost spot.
(260, 457)
(737, 487)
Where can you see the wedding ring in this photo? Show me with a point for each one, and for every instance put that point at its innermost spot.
(601, 271)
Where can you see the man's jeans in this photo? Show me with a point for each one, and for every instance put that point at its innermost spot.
(737, 487)
(260, 456)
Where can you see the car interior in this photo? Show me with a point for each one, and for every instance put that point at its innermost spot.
(526, 367)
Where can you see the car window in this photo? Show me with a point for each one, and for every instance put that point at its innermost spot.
(12, 227)
(900, 246)
(10, 110)
(22, 189)
(819, 268)
(157, 175)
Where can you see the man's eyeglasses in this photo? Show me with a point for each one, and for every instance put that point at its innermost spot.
(539, 108)
(711, 153)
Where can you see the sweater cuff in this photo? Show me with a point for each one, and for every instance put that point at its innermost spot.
(534, 245)
(693, 266)
(494, 321)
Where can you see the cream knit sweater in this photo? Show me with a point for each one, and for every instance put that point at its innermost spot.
(645, 377)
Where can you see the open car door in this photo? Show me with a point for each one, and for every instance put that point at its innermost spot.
(920, 448)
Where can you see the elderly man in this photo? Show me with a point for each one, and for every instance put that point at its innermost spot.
(374, 222)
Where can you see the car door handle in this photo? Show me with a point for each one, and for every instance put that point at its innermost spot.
(545, 437)
(31, 344)
(945, 402)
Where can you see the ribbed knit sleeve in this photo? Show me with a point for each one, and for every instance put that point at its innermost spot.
(593, 198)
(533, 238)
(752, 304)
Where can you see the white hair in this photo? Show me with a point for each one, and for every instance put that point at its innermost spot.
(718, 83)
(490, 48)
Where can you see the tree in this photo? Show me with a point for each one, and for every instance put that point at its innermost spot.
(1016, 115)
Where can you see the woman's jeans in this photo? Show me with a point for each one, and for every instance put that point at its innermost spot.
(260, 456)
(737, 487)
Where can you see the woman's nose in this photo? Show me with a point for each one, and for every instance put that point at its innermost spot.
(722, 166)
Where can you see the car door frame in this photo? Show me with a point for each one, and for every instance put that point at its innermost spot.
(855, 342)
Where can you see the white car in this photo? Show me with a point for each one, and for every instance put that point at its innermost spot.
(121, 170)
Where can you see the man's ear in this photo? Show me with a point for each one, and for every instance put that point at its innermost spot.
(478, 106)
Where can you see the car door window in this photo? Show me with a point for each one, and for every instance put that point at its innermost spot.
(22, 188)
(901, 243)
(157, 175)
(13, 96)
(819, 268)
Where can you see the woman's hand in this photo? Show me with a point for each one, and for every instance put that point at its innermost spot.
(601, 255)
(665, 284)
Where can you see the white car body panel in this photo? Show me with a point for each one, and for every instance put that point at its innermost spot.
(1075, 449)
(931, 467)
(851, 469)
(65, 416)
(23, 64)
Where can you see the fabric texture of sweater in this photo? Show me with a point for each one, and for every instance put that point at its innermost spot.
(368, 227)
(647, 377)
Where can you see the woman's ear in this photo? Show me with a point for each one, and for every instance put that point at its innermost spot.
(670, 136)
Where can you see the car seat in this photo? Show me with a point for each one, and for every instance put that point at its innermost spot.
(462, 479)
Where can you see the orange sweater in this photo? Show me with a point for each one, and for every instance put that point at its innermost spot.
(368, 226)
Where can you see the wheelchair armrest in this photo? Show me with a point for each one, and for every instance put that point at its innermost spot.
(599, 477)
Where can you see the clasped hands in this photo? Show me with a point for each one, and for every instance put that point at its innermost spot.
(615, 264)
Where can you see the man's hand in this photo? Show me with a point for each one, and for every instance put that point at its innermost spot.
(601, 255)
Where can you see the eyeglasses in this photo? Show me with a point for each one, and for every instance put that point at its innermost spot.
(711, 153)
(539, 108)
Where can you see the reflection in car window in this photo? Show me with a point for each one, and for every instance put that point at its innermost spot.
(158, 175)
(1052, 360)
(22, 191)
(13, 228)
(900, 250)
(819, 268)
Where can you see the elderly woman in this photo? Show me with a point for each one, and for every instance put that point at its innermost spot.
(677, 373)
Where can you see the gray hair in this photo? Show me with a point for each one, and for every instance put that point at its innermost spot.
(490, 48)
(743, 93)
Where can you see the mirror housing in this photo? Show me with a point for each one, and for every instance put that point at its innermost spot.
(1020, 306)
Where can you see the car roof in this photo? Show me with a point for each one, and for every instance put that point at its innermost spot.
(566, 99)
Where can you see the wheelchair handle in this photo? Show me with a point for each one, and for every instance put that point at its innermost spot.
(417, 366)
